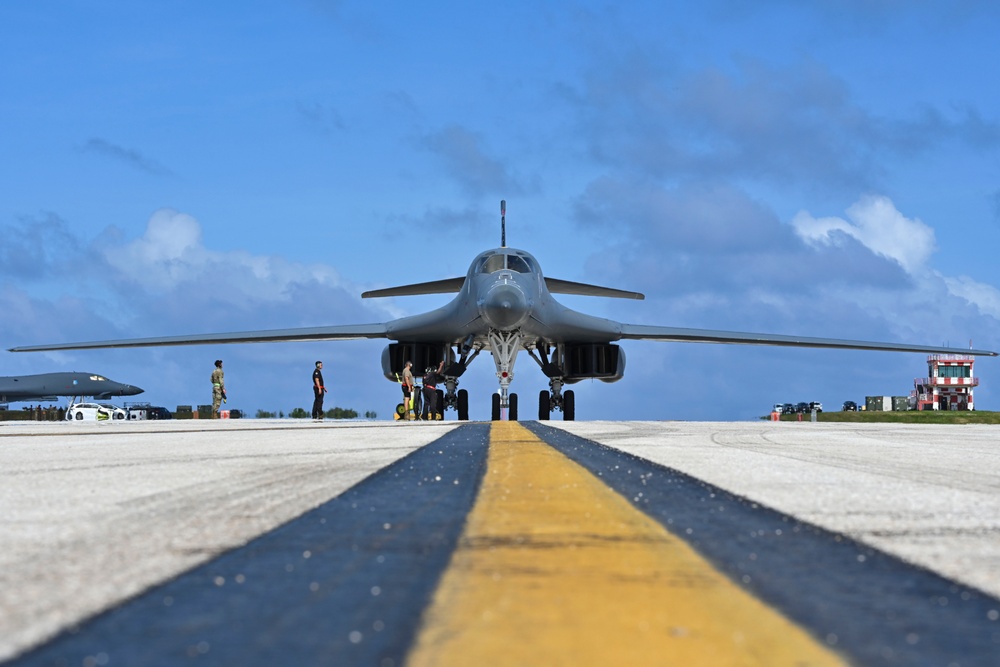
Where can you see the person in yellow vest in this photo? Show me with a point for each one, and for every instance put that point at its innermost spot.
(218, 388)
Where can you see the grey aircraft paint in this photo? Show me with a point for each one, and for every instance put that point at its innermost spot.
(49, 386)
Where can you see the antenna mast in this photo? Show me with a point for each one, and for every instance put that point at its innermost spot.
(503, 223)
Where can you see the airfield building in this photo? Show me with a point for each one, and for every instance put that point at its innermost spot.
(948, 385)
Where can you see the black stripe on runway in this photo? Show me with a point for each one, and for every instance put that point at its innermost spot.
(869, 606)
(375, 555)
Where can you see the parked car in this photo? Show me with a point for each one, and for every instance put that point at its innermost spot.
(141, 412)
(94, 412)
(850, 406)
(816, 405)
(802, 408)
(787, 409)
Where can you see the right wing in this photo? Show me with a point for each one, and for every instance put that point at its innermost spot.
(679, 335)
(342, 332)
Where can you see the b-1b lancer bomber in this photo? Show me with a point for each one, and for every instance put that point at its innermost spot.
(49, 386)
(504, 305)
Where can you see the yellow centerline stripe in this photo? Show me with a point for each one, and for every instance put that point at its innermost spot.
(555, 568)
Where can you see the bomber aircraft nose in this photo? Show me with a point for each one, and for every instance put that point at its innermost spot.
(504, 307)
(130, 390)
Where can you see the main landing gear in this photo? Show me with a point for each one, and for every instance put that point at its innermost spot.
(504, 346)
(556, 399)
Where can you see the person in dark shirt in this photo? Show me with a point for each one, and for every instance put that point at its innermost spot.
(431, 379)
(319, 390)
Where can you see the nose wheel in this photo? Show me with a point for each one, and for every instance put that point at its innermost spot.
(511, 407)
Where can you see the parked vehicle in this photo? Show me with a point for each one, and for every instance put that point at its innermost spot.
(779, 408)
(145, 411)
(816, 405)
(95, 412)
(787, 409)
(850, 406)
(802, 408)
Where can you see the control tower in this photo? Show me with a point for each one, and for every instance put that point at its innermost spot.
(948, 386)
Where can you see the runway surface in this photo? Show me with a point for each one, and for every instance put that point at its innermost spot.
(256, 542)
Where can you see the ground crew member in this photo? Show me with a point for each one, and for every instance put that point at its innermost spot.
(319, 390)
(431, 378)
(218, 388)
(408, 392)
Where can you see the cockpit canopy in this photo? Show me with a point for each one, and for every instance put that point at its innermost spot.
(510, 259)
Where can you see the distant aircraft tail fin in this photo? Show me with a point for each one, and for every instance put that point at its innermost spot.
(503, 223)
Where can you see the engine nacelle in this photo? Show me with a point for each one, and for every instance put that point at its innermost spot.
(600, 361)
(423, 355)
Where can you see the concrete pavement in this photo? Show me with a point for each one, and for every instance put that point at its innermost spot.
(94, 514)
(929, 494)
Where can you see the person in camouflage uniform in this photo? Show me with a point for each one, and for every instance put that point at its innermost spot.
(218, 388)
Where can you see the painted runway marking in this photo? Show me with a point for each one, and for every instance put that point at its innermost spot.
(343, 584)
(874, 608)
(574, 553)
(555, 568)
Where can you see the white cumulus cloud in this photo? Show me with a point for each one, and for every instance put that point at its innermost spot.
(170, 254)
(876, 224)
(985, 297)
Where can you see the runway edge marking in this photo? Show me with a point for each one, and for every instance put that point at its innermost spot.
(556, 568)
(873, 607)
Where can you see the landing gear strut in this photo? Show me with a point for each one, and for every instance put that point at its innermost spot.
(504, 345)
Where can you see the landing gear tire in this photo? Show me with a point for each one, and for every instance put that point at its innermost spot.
(569, 406)
(544, 405)
(496, 407)
(463, 405)
(512, 409)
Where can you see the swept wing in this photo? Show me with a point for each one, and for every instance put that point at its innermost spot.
(682, 335)
(343, 332)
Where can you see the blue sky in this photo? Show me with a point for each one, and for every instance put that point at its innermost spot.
(824, 168)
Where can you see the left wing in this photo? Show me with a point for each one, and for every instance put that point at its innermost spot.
(557, 286)
(343, 332)
(679, 335)
(446, 286)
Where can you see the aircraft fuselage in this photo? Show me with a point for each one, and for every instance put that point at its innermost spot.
(48, 386)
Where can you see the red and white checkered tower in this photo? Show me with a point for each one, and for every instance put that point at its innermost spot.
(949, 383)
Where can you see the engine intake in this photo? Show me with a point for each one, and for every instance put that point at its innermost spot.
(600, 361)
(395, 356)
